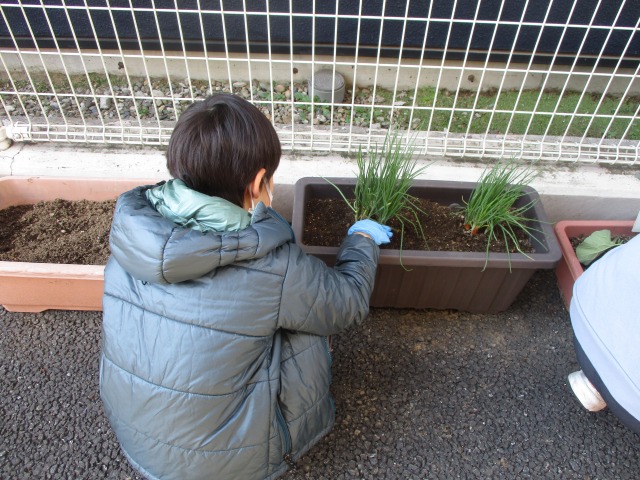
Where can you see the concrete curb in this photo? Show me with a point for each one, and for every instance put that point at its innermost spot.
(568, 191)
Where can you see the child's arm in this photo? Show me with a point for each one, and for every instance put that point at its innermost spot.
(323, 301)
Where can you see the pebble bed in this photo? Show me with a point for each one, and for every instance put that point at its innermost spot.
(421, 394)
(284, 103)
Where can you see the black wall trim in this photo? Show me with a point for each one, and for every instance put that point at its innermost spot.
(474, 24)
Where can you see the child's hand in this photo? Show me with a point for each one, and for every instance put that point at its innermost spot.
(377, 232)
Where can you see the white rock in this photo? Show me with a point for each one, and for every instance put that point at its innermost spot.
(105, 103)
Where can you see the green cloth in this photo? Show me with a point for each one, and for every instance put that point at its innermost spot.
(188, 208)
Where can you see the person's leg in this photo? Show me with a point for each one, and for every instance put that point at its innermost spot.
(594, 378)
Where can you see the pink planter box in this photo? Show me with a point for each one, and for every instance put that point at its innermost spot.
(569, 268)
(35, 287)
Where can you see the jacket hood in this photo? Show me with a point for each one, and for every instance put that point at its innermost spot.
(154, 249)
(186, 207)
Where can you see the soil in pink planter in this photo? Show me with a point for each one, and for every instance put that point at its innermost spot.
(29, 286)
(57, 231)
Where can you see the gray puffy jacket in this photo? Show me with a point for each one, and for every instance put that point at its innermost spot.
(215, 362)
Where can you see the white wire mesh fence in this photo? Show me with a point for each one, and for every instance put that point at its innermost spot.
(543, 79)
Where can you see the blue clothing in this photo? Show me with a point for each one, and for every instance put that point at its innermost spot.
(188, 208)
(215, 362)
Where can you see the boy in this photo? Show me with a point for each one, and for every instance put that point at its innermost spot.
(215, 360)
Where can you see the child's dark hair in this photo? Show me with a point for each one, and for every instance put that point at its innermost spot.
(219, 145)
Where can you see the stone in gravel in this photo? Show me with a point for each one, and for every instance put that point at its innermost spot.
(105, 103)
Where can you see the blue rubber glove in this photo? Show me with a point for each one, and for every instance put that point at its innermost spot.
(379, 233)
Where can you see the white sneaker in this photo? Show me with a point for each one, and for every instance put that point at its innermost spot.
(586, 393)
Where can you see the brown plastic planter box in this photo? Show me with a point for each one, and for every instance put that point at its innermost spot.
(441, 280)
(35, 287)
(569, 268)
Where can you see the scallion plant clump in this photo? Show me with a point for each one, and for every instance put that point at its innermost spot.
(491, 209)
(383, 182)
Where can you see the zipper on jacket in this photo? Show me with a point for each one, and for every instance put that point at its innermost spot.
(286, 435)
(330, 355)
(327, 348)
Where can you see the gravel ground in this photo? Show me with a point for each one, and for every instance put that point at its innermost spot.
(132, 99)
(419, 394)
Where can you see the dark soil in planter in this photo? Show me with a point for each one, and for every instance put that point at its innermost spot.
(77, 232)
(328, 219)
(58, 231)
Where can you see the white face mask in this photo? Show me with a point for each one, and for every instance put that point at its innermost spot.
(266, 186)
